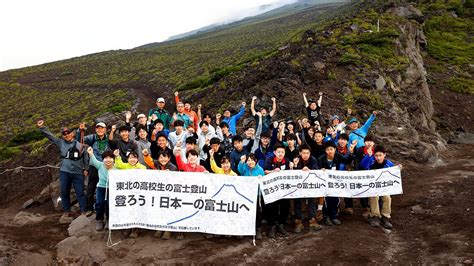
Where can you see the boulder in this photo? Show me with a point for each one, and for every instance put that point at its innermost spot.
(25, 218)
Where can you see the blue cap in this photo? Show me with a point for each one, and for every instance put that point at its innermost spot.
(352, 120)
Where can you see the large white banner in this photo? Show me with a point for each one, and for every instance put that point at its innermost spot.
(331, 183)
(182, 202)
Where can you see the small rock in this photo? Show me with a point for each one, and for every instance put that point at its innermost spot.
(417, 209)
(380, 83)
(469, 261)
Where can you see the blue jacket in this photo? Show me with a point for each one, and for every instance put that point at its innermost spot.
(246, 171)
(232, 121)
(260, 155)
(369, 163)
(360, 133)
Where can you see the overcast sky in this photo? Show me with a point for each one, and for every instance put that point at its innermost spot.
(35, 32)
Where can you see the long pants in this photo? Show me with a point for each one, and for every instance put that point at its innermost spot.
(102, 203)
(330, 207)
(277, 212)
(68, 180)
(375, 208)
(349, 202)
(311, 205)
(91, 187)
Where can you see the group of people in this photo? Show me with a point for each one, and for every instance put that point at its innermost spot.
(192, 141)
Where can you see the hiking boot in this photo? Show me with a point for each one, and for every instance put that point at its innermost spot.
(134, 233)
(298, 226)
(66, 218)
(89, 213)
(386, 223)
(158, 234)
(365, 213)
(314, 226)
(319, 215)
(272, 232)
(106, 226)
(349, 211)
(180, 236)
(374, 221)
(99, 225)
(258, 235)
(281, 230)
(336, 221)
(327, 221)
(166, 235)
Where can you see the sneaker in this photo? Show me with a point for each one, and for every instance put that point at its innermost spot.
(166, 235)
(386, 223)
(327, 221)
(158, 234)
(281, 230)
(99, 225)
(365, 213)
(89, 213)
(106, 226)
(374, 221)
(66, 218)
(319, 215)
(298, 226)
(180, 236)
(272, 232)
(349, 211)
(336, 221)
(314, 226)
(134, 233)
(258, 235)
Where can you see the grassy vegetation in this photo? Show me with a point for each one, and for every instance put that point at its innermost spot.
(450, 31)
(24, 105)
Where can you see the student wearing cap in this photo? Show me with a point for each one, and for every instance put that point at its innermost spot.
(125, 145)
(266, 117)
(359, 133)
(193, 116)
(74, 166)
(160, 113)
(99, 143)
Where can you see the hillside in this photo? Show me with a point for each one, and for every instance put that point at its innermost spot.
(111, 77)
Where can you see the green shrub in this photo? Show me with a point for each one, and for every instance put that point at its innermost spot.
(350, 58)
(462, 85)
(32, 135)
(8, 152)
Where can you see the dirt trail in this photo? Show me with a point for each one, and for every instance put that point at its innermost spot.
(432, 219)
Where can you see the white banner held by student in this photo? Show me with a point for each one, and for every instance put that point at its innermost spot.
(293, 184)
(362, 184)
(182, 202)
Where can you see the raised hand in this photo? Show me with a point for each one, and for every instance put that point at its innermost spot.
(128, 115)
(218, 116)
(211, 153)
(244, 103)
(90, 151)
(116, 153)
(82, 126)
(320, 93)
(40, 123)
(374, 112)
(145, 152)
(243, 158)
(199, 106)
(176, 93)
(254, 98)
(274, 99)
(113, 128)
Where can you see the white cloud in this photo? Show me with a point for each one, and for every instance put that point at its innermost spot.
(35, 32)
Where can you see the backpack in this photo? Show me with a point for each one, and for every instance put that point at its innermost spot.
(73, 153)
